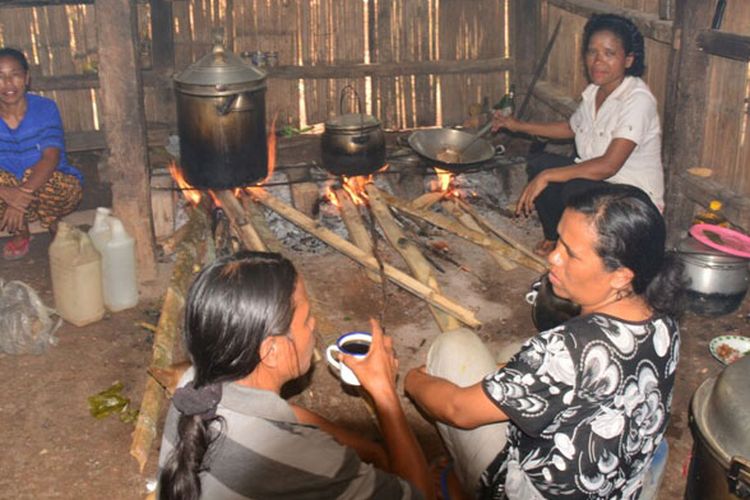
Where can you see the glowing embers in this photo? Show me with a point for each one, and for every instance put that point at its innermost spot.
(447, 184)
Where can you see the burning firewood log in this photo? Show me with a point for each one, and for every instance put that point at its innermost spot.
(359, 235)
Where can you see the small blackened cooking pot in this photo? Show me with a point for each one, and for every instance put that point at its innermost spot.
(352, 143)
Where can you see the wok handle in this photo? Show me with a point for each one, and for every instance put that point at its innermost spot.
(737, 466)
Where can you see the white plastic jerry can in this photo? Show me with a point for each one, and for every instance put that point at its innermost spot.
(118, 268)
(76, 271)
(100, 231)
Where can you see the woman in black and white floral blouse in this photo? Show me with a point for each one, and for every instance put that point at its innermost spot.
(587, 402)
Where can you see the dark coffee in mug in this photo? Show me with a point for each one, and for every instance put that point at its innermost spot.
(355, 347)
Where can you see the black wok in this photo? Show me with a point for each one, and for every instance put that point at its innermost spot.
(431, 142)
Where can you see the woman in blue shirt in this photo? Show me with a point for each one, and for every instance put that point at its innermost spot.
(36, 181)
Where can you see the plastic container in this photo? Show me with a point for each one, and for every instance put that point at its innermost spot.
(76, 270)
(712, 216)
(118, 268)
(100, 231)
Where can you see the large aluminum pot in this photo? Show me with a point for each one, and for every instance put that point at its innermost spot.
(352, 143)
(718, 281)
(221, 119)
(720, 424)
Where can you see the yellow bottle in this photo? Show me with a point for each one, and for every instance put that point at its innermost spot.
(712, 216)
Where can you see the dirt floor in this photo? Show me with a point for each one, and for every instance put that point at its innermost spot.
(56, 449)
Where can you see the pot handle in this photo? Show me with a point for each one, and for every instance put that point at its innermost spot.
(223, 109)
(346, 89)
(737, 466)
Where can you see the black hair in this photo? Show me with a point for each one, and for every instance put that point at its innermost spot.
(17, 55)
(232, 306)
(626, 31)
(632, 233)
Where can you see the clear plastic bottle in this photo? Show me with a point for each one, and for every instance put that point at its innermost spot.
(712, 216)
(118, 268)
(76, 271)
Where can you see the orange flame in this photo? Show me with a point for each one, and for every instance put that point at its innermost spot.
(271, 141)
(355, 186)
(330, 195)
(189, 192)
(445, 184)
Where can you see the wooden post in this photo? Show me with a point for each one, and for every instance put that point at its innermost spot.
(125, 126)
(685, 109)
(162, 55)
(526, 25)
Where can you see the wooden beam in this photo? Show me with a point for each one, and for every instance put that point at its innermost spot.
(151, 78)
(649, 24)
(685, 111)
(242, 223)
(125, 121)
(321, 71)
(723, 44)
(399, 277)
(92, 140)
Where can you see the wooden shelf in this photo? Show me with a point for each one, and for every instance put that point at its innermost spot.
(702, 190)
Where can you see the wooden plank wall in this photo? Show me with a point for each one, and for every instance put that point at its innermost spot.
(727, 138)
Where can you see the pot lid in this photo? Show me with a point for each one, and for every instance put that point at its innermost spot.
(690, 247)
(352, 121)
(719, 408)
(222, 69)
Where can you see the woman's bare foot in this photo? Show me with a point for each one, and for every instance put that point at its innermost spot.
(544, 247)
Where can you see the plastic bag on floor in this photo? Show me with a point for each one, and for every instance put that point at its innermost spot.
(26, 324)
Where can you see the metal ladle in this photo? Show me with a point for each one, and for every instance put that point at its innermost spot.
(451, 155)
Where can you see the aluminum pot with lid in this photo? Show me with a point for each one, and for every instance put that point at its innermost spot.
(352, 143)
(720, 423)
(221, 119)
(718, 281)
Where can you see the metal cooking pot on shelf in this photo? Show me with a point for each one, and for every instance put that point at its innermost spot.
(352, 143)
(718, 281)
(221, 120)
(720, 424)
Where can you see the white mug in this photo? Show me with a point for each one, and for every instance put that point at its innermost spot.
(355, 344)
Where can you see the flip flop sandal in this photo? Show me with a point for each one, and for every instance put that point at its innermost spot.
(16, 251)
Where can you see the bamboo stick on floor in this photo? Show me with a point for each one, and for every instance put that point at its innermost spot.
(484, 223)
(454, 227)
(468, 221)
(397, 276)
(167, 331)
(420, 267)
(358, 234)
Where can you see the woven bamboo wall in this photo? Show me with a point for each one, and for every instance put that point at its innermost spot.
(727, 138)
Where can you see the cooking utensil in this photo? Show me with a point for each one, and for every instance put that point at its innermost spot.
(717, 282)
(352, 143)
(455, 156)
(221, 121)
(429, 143)
(720, 424)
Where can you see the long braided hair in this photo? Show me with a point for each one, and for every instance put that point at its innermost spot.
(232, 306)
(627, 32)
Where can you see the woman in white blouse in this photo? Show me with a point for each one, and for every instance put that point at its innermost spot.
(616, 129)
